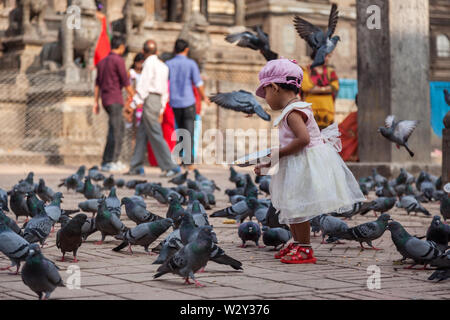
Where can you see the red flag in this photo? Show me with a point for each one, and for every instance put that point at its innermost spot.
(103, 46)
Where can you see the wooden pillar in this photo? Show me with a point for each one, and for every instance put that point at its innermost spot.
(446, 150)
(393, 76)
(204, 8)
(239, 12)
(187, 10)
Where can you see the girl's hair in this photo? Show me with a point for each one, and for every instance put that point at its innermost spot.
(139, 57)
(289, 87)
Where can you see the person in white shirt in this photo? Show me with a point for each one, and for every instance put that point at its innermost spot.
(152, 91)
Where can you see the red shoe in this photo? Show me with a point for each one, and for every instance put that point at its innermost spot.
(285, 251)
(295, 257)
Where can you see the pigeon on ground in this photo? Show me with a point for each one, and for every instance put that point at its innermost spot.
(378, 178)
(398, 132)
(32, 201)
(200, 196)
(109, 182)
(423, 176)
(198, 212)
(10, 223)
(250, 190)
(259, 211)
(428, 189)
(381, 205)
(89, 206)
(315, 224)
(447, 96)
(235, 176)
(133, 183)
(260, 42)
(168, 249)
(175, 212)
(386, 191)
(240, 101)
(439, 233)
(272, 218)
(189, 230)
(91, 191)
(367, 232)
(239, 209)
(120, 183)
(443, 266)
(357, 208)
(13, 246)
(445, 207)
(411, 204)
(190, 258)
(162, 195)
(95, 174)
(368, 182)
(135, 208)
(26, 185)
(113, 203)
(264, 185)
(249, 231)
(39, 227)
(179, 179)
(40, 274)
(144, 234)
(438, 184)
(320, 42)
(45, 193)
(18, 204)
(4, 200)
(53, 210)
(107, 222)
(88, 228)
(421, 251)
(331, 227)
(69, 237)
(74, 181)
(276, 237)
(404, 177)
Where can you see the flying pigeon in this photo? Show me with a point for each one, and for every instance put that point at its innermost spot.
(241, 101)
(69, 237)
(422, 252)
(260, 42)
(322, 43)
(249, 231)
(398, 132)
(40, 274)
(190, 258)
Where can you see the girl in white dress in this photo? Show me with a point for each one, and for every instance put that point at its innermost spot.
(311, 177)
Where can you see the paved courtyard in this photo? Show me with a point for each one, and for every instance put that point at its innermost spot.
(340, 273)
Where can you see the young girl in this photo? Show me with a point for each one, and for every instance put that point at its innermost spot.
(312, 178)
(135, 76)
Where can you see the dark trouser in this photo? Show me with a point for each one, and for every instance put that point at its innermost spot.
(150, 130)
(115, 133)
(185, 119)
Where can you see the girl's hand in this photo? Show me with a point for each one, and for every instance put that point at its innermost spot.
(259, 167)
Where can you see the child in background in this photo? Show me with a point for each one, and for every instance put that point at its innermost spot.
(312, 178)
(135, 75)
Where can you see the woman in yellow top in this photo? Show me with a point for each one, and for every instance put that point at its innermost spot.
(320, 87)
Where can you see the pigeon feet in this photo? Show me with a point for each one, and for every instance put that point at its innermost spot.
(98, 243)
(242, 246)
(186, 281)
(198, 284)
(6, 268)
(261, 247)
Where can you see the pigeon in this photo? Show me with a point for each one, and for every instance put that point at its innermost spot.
(95, 174)
(259, 211)
(89, 206)
(439, 233)
(198, 213)
(445, 208)
(250, 188)
(13, 246)
(276, 237)
(438, 184)
(201, 196)
(144, 234)
(367, 182)
(378, 178)
(168, 249)
(74, 181)
(109, 182)
(113, 203)
(198, 176)
(264, 185)
(10, 223)
(443, 266)
(4, 200)
(235, 176)
(32, 201)
(40, 274)
(26, 185)
(45, 193)
(398, 132)
(315, 224)
(179, 179)
(272, 218)
(421, 251)
(381, 205)
(39, 227)
(332, 227)
(162, 195)
(423, 176)
(357, 208)
(428, 189)
(240, 101)
(404, 177)
(190, 258)
(239, 209)
(18, 204)
(133, 183)
(447, 96)
(69, 237)
(120, 183)
(88, 228)
(91, 191)
(249, 231)
(410, 204)
(320, 42)
(107, 222)
(135, 208)
(260, 42)
(386, 191)
(236, 198)
(218, 256)
(175, 212)
(53, 210)
(367, 232)
(189, 231)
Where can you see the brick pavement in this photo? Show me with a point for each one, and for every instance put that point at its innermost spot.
(341, 271)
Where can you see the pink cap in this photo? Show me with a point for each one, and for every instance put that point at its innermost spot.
(279, 71)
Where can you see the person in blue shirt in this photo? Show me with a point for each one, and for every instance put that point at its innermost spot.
(183, 74)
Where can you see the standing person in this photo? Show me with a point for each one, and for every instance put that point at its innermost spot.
(183, 73)
(152, 91)
(311, 177)
(320, 88)
(112, 76)
(135, 75)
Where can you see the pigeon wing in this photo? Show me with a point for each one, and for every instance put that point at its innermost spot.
(52, 272)
(261, 113)
(243, 38)
(333, 20)
(405, 128)
(310, 33)
(390, 121)
(236, 100)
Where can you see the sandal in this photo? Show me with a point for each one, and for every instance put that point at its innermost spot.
(285, 251)
(295, 257)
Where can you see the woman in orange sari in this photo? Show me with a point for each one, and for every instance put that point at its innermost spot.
(320, 88)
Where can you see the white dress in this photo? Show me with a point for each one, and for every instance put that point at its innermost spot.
(316, 180)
